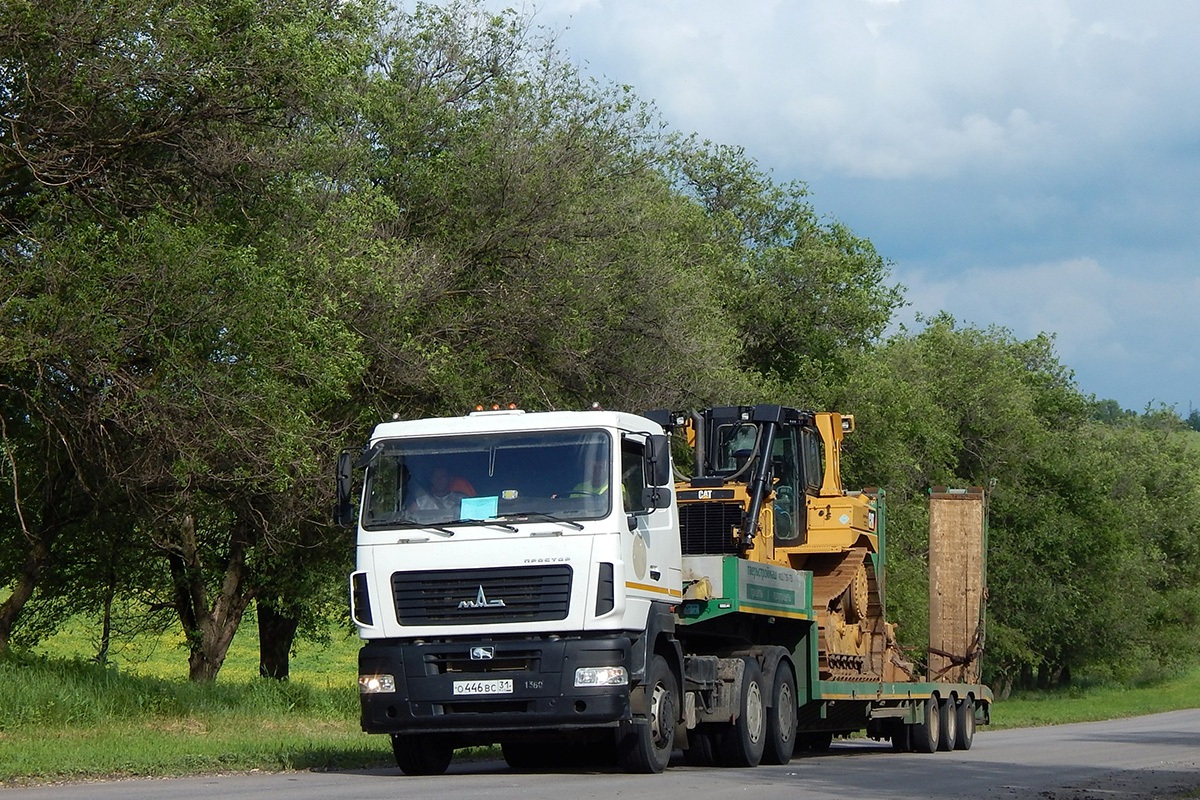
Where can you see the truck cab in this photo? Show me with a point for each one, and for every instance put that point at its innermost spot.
(514, 581)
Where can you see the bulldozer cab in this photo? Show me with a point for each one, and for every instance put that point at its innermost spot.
(778, 449)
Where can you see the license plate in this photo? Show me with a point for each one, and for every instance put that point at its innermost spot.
(502, 686)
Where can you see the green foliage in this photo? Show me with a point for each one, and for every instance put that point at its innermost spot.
(1092, 532)
(806, 295)
(557, 267)
(235, 235)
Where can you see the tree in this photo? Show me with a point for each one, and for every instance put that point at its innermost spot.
(807, 295)
(1071, 501)
(159, 318)
(556, 267)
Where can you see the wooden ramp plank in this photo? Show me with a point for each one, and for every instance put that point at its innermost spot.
(956, 584)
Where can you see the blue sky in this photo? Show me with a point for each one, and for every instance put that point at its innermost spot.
(1033, 164)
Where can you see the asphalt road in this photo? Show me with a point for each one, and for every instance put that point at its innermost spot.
(1145, 757)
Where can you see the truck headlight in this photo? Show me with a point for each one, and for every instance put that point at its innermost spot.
(601, 676)
(376, 684)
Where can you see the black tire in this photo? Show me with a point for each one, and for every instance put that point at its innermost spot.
(781, 717)
(966, 724)
(743, 740)
(647, 747)
(701, 751)
(820, 742)
(923, 736)
(421, 755)
(948, 724)
(523, 756)
(901, 736)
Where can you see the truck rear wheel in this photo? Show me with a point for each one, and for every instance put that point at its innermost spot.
(924, 735)
(781, 720)
(820, 742)
(421, 755)
(744, 740)
(701, 751)
(646, 746)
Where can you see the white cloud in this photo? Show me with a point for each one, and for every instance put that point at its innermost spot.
(1116, 328)
(1062, 135)
(885, 89)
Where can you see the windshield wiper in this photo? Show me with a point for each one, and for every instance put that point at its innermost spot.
(544, 516)
(491, 522)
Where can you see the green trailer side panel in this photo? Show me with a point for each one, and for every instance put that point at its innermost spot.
(746, 587)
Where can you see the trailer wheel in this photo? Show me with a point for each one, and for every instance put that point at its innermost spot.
(948, 724)
(421, 755)
(744, 740)
(901, 736)
(966, 724)
(924, 735)
(781, 719)
(647, 747)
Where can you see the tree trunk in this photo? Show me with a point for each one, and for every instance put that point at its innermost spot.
(276, 632)
(10, 609)
(209, 627)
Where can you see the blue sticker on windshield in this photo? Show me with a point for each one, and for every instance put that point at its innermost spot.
(479, 507)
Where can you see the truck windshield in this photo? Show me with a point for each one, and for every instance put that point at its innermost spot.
(451, 479)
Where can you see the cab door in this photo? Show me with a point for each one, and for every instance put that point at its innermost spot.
(652, 556)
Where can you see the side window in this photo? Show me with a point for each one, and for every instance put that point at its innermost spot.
(814, 465)
(633, 473)
(785, 470)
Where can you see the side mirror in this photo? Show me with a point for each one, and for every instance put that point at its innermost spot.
(658, 460)
(654, 497)
(343, 509)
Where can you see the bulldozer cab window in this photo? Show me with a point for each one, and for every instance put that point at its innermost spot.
(785, 470)
(813, 462)
(736, 444)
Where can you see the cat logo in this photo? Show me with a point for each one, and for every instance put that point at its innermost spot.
(704, 494)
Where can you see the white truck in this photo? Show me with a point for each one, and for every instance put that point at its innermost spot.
(522, 580)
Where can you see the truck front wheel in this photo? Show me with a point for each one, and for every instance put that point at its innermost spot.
(421, 755)
(646, 745)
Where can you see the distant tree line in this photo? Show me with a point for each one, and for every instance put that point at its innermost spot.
(235, 234)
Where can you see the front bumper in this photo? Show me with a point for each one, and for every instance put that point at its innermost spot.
(543, 696)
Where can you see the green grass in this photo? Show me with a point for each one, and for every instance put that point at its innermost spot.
(72, 719)
(1078, 704)
(63, 717)
(332, 663)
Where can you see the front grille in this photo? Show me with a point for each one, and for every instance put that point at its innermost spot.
(468, 597)
(707, 528)
(451, 658)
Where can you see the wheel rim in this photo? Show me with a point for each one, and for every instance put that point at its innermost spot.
(754, 711)
(657, 729)
(785, 710)
(950, 723)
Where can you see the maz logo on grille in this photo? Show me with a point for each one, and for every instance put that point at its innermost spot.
(481, 601)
